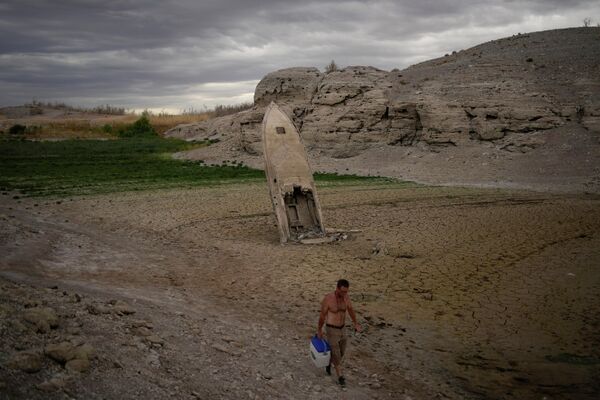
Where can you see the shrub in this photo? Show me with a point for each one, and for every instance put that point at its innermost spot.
(331, 67)
(140, 128)
(17, 129)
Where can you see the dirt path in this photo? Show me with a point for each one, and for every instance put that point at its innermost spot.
(465, 293)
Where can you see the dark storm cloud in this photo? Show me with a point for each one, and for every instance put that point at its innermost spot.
(179, 54)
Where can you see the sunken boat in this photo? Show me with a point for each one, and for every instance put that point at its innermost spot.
(290, 179)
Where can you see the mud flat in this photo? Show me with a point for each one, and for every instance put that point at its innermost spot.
(464, 293)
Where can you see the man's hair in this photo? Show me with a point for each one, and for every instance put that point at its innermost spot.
(343, 283)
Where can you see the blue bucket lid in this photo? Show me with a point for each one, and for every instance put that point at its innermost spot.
(320, 345)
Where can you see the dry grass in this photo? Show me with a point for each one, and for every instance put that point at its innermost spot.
(60, 121)
(98, 127)
(164, 122)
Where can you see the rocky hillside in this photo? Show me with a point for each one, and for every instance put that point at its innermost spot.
(509, 97)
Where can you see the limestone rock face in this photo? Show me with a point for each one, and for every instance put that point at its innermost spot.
(292, 85)
(505, 91)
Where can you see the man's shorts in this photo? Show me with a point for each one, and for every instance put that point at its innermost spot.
(337, 341)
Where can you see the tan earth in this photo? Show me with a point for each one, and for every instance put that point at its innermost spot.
(464, 293)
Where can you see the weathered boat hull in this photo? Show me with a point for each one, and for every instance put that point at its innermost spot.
(290, 179)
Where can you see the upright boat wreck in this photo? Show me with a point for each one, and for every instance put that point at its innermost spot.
(290, 178)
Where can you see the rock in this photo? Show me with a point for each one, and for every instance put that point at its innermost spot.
(155, 340)
(78, 365)
(123, 308)
(84, 352)
(287, 85)
(28, 361)
(138, 323)
(224, 349)
(75, 298)
(60, 352)
(57, 382)
(74, 330)
(16, 327)
(481, 98)
(141, 331)
(98, 309)
(42, 318)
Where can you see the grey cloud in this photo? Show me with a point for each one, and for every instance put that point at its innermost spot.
(139, 52)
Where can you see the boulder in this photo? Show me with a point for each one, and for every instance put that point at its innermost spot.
(97, 309)
(122, 308)
(291, 85)
(42, 318)
(28, 361)
(84, 352)
(60, 352)
(78, 365)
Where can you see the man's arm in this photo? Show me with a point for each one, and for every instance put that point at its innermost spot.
(322, 317)
(357, 326)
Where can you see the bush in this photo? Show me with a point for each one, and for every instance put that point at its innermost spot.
(17, 129)
(331, 67)
(140, 128)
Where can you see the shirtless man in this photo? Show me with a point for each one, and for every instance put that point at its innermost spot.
(333, 315)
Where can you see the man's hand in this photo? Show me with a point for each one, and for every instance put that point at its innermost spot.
(357, 327)
(320, 333)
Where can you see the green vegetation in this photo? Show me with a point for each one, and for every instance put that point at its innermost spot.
(140, 160)
(77, 167)
(17, 129)
(140, 128)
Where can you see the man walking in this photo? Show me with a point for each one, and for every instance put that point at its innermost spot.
(333, 315)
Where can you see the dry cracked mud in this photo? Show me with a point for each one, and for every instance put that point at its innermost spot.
(464, 293)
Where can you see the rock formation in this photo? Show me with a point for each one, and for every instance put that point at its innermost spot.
(505, 94)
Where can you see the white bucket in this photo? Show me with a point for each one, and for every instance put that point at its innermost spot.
(320, 353)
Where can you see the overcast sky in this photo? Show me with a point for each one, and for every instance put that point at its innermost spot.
(175, 55)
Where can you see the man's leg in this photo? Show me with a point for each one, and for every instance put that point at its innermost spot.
(342, 346)
(333, 337)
